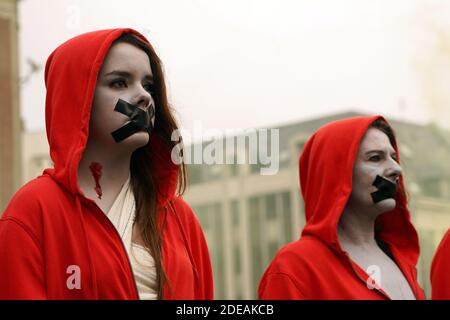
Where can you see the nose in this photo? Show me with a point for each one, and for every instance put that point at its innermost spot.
(394, 171)
(143, 99)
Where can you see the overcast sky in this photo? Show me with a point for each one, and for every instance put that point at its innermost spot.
(242, 63)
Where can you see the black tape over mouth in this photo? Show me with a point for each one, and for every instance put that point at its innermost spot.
(386, 189)
(139, 120)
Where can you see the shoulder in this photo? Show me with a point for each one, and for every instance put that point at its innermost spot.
(284, 278)
(294, 270)
(28, 202)
(301, 255)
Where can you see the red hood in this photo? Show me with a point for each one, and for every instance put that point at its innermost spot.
(70, 86)
(325, 167)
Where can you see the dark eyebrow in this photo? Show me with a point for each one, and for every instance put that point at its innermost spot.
(124, 74)
(379, 151)
(128, 75)
(149, 78)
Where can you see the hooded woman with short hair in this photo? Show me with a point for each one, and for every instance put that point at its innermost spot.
(358, 241)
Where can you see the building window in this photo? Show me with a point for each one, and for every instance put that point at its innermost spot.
(287, 216)
(270, 227)
(235, 218)
(233, 170)
(210, 217)
(273, 249)
(237, 259)
(299, 147)
(431, 187)
(271, 211)
(195, 173)
(255, 239)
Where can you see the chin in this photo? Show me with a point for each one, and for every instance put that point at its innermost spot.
(137, 140)
(386, 205)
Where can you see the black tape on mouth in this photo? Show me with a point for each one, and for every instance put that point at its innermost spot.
(386, 189)
(139, 120)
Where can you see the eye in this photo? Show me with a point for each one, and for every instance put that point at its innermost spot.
(150, 88)
(118, 84)
(375, 158)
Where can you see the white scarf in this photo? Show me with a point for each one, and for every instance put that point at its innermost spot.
(122, 214)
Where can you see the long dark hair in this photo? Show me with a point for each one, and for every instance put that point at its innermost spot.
(142, 181)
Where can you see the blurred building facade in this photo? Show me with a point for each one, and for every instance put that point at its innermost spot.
(35, 155)
(248, 217)
(10, 123)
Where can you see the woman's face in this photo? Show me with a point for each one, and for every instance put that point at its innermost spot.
(376, 156)
(125, 74)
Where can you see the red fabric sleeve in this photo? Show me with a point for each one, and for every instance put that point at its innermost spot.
(279, 286)
(21, 263)
(440, 271)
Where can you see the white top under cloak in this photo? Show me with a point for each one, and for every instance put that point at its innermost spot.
(122, 214)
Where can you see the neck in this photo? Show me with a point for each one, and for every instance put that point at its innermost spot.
(357, 227)
(113, 170)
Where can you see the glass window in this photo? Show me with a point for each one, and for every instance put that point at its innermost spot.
(235, 218)
(255, 239)
(431, 187)
(237, 259)
(287, 216)
(273, 249)
(271, 211)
